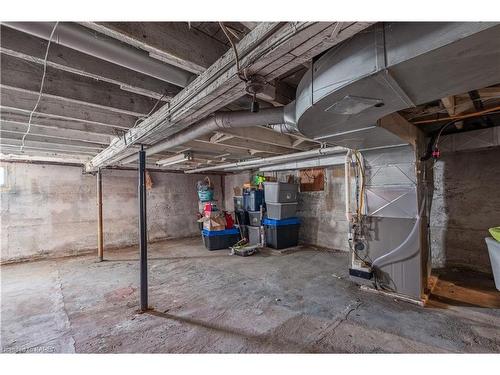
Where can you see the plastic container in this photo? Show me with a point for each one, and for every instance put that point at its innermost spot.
(279, 211)
(253, 199)
(254, 218)
(494, 252)
(495, 233)
(238, 202)
(205, 195)
(281, 192)
(220, 239)
(253, 235)
(281, 234)
(241, 217)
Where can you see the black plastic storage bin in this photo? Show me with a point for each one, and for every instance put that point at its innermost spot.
(220, 239)
(253, 199)
(241, 217)
(238, 203)
(281, 234)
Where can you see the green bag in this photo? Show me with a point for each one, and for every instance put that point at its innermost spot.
(495, 233)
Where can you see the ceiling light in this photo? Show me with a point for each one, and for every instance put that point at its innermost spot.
(176, 159)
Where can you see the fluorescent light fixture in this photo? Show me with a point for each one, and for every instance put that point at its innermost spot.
(176, 159)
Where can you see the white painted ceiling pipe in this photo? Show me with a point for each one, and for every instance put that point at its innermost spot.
(256, 163)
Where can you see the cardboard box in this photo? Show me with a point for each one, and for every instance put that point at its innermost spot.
(237, 191)
(213, 221)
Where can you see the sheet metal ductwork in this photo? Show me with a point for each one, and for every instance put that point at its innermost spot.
(389, 67)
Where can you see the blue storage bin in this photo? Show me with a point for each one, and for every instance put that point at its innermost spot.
(220, 239)
(276, 223)
(281, 234)
(213, 233)
(253, 199)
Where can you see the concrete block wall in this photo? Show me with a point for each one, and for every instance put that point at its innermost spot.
(49, 210)
(322, 213)
(465, 204)
(231, 181)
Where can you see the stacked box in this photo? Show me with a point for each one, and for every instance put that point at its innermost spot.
(220, 239)
(281, 199)
(281, 234)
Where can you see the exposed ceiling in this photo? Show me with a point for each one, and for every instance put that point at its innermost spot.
(89, 102)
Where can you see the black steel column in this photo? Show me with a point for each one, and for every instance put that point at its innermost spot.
(143, 240)
(100, 233)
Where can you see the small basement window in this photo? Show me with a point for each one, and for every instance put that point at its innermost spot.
(312, 179)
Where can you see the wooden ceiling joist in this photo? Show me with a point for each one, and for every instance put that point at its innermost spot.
(27, 75)
(68, 135)
(260, 50)
(31, 48)
(172, 42)
(105, 131)
(20, 100)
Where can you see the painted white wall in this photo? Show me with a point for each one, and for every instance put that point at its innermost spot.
(51, 210)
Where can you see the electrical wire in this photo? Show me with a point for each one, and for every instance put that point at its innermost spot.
(142, 118)
(441, 131)
(235, 51)
(41, 86)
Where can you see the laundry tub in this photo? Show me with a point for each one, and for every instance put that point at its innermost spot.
(494, 251)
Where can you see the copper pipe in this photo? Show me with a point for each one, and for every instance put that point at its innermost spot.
(458, 117)
(100, 235)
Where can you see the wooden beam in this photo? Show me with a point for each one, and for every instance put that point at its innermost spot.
(220, 85)
(27, 75)
(249, 25)
(31, 48)
(15, 145)
(172, 42)
(256, 146)
(218, 149)
(42, 156)
(277, 93)
(217, 137)
(54, 132)
(401, 127)
(23, 101)
(263, 134)
(449, 104)
(490, 92)
(103, 131)
(51, 140)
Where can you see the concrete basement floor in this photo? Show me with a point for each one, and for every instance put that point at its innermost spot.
(207, 301)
